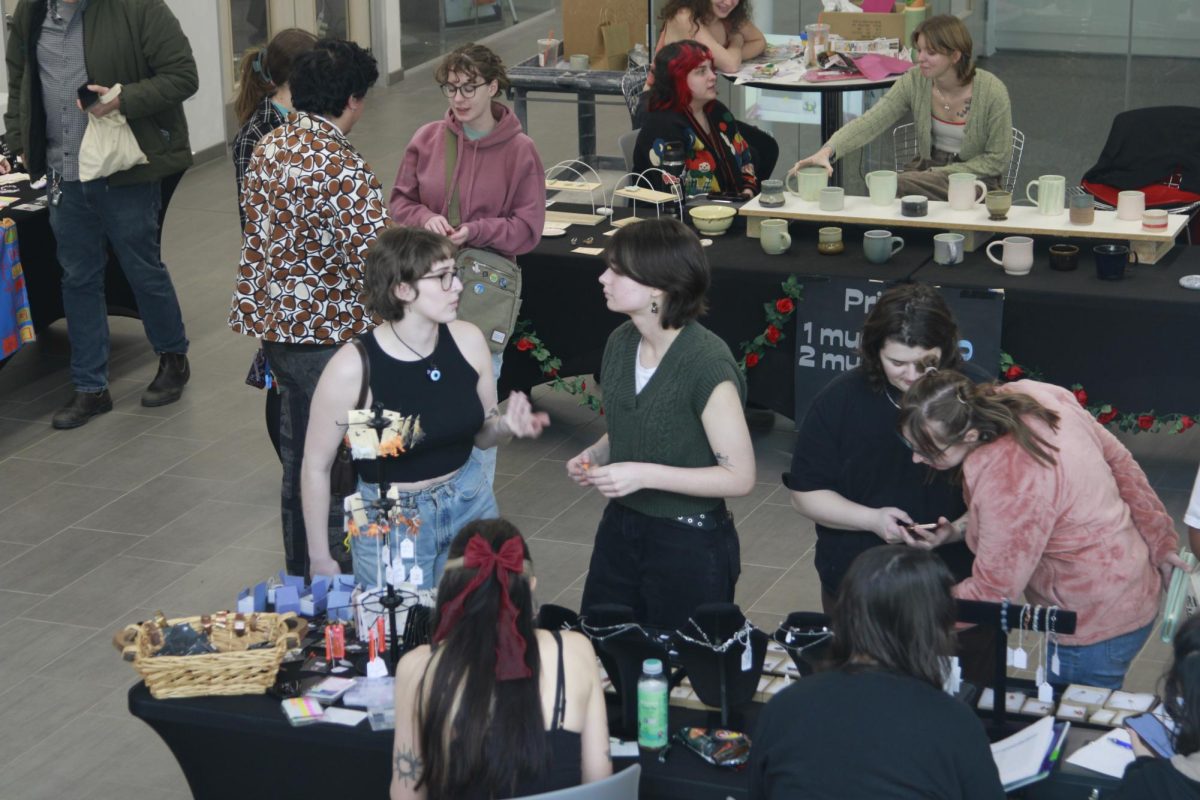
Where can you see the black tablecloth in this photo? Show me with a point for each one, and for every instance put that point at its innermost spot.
(242, 747)
(1132, 342)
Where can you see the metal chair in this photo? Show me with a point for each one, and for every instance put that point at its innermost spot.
(904, 142)
(621, 786)
(627, 141)
(631, 86)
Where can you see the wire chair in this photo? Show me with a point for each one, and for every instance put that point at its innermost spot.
(904, 142)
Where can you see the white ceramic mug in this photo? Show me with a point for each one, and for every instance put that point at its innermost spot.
(1017, 258)
(809, 183)
(1051, 195)
(832, 198)
(774, 236)
(948, 248)
(963, 194)
(881, 185)
(1131, 205)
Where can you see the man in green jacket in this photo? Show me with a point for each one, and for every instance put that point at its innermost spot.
(55, 47)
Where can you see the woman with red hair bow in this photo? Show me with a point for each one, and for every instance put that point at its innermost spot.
(496, 708)
(684, 109)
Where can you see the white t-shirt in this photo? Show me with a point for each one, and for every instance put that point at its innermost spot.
(641, 375)
(1192, 517)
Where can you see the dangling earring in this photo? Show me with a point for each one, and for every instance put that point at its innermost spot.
(653, 306)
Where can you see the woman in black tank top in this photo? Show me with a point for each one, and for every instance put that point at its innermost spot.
(470, 719)
(434, 373)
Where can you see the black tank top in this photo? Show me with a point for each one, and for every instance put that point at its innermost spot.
(564, 748)
(449, 410)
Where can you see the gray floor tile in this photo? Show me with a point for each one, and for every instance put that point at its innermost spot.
(19, 434)
(209, 420)
(100, 597)
(153, 504)
(137, 461)
(796, 590)
(535, 492)
(754, 582)
(47, 511)
(37, 707)
(557, 564)
(63, 559)
(266, 537)
(14, 604)
(231, 457)
(82, 445)
(214, 585)
(775, 536)
(27, 646)
(94, 660)
(10, 551)
(743, 507)
(1144, 676)
(577, 522)
(261, 487)
(19, 477)
(528, 526)
(210, 526)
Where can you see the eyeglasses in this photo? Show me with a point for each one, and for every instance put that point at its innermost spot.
(466, 89)
(447, 277)
(923, 456)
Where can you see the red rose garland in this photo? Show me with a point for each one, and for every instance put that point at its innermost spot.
(778, 314)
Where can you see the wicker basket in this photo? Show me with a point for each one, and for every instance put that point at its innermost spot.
(233, 670)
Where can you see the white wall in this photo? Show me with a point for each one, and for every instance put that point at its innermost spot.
(204, 109)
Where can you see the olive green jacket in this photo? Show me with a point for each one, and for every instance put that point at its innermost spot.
(987, 136)
(136, 43)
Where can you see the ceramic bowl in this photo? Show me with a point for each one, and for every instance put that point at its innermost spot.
(713, 220)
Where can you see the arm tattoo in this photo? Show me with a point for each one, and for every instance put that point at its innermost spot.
(722, 460)
(407, 765)
(495, 412)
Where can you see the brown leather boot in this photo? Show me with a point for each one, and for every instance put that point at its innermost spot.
(167, 386)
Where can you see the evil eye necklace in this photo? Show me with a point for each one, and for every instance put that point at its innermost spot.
(433, 372)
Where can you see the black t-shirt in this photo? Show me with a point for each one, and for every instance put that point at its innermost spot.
(1156, 779)
(848, 444)
(870, 734)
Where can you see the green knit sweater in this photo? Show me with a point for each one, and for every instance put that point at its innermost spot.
(987, 136)
(662, 424)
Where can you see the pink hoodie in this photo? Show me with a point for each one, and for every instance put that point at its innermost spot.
(501, 183)
(1086, 534)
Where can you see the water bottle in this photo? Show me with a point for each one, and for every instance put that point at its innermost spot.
(652, 706)
(673, 164)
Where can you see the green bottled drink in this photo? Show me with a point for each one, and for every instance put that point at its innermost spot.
(652, 706)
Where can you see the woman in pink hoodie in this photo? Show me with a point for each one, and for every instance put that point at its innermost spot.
(1057, 509)
(496, 197)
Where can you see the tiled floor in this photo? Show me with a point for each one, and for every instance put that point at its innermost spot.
(175, 508)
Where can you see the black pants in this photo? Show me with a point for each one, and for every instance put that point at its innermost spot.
(660, 567)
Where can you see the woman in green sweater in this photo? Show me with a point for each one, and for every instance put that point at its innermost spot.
(962, 114)
(677, 442)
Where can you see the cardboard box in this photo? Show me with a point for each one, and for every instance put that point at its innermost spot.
(582, 20)
(866, 26)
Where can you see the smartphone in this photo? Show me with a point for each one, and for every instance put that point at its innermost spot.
(1153, 733)
(87, 98)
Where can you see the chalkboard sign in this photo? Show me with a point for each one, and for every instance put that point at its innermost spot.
(829, 329)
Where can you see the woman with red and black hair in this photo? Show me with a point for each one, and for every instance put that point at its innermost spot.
(684, 109)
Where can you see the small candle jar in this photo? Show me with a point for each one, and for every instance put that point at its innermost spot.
(772, 194)
(1083, 209)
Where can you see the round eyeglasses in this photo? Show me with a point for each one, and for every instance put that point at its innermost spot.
(446, 278)
(466, 89)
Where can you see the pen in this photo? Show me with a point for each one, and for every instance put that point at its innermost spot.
(1119, 743)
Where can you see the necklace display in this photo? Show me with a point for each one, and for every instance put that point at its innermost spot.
(432, 372)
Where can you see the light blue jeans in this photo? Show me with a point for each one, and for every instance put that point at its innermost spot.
(486, 459)
(442, 510)
(1102, 664)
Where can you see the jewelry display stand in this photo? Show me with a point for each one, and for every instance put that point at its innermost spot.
(622, 646)
(807, 637)
(722, 674)
(578, 185)
(1003, 617)
(975, 223)
(640, 188)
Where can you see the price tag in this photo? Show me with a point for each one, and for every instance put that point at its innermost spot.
(1020, 658)
(1009, 656)
(747, 658)
(1055, 664)
(1045, 693)
(406, 547)
(1041, 675)
(416, 575)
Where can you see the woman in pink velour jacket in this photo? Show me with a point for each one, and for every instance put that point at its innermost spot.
(1057, 508)
(499, 179)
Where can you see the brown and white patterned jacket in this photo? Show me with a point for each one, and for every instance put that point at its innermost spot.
(313, 207)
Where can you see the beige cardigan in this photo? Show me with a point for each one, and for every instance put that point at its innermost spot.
(987, 136)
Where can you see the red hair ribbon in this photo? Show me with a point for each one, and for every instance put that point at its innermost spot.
(510, 644)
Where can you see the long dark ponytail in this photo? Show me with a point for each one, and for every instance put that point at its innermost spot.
(1181, 694)
(476, 731)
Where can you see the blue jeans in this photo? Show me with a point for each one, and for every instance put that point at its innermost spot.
(127, 216)
(1102, 664)
(442, 510)
(486, 459)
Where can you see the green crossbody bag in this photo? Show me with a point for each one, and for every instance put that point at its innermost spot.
(491, 297)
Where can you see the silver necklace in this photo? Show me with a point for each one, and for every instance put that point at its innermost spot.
(432, 372)
(945, 107)
(887, 391)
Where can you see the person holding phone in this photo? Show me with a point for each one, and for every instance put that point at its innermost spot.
(1058, 510)
(1156, 776)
